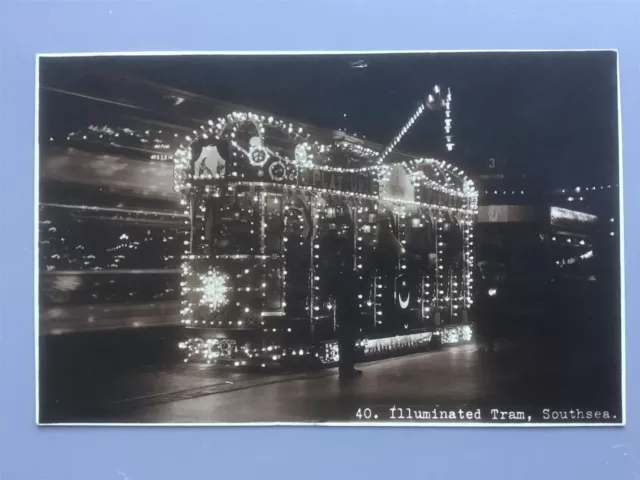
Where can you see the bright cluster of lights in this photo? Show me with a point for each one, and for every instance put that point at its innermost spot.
(328, 353)
(384, 345)
(158, 144)
(448, 121)
(209, 350)
(457, 334)
(227, 351)
(214, 289)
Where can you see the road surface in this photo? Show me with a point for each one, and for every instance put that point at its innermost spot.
(515, 378)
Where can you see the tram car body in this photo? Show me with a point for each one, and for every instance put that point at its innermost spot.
(266, 206)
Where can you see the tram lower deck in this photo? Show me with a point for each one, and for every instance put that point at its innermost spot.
(255, 287)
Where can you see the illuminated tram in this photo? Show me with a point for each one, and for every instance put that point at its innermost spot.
(263, 201)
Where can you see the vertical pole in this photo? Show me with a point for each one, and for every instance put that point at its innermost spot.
(284, 215)
(313, 269)
(262, 205)
(192, 221)
(452, 277)
(437, 265)
(422, 307)
(375, 301)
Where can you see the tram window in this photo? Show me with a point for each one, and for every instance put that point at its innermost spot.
(298, 225)
(456, 237)
(297, 258)
(421, 239)
(273, 225)
(233, 227)
(388, 249)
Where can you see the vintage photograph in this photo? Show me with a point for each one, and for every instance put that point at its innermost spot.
(384, 239)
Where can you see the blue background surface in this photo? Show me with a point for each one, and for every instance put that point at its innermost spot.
(29, 452)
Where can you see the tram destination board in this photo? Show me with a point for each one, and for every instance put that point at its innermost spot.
(352, 182)
(235, 240)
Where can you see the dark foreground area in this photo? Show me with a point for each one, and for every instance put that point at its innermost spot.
(138, 376)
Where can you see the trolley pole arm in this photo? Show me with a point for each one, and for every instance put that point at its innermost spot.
(432, 101)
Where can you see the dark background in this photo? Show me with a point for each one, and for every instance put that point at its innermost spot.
(551, 115)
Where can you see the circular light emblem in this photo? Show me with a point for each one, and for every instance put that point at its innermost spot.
(258, 156)
(277, 171)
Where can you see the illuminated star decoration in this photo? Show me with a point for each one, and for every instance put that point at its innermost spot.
(214, 290)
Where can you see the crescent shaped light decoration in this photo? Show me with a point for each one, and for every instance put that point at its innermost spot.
(404, 303)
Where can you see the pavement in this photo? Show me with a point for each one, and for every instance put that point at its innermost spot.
(461, 377)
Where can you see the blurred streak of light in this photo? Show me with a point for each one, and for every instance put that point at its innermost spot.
(174, 93)
(127, 147)
(113, 102)
(215, 107)
(101, 317)
(75, 94)
(114, 271)
(139, 222)
(219, 108)
(112, 209)
(149, 179)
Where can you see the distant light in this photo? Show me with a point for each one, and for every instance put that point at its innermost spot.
(358, 64)
(493, 292)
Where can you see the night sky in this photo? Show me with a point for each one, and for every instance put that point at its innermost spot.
(552, 116)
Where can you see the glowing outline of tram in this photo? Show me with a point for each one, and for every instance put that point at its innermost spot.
(303, 175)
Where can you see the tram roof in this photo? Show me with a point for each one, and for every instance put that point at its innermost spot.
(437, 172)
